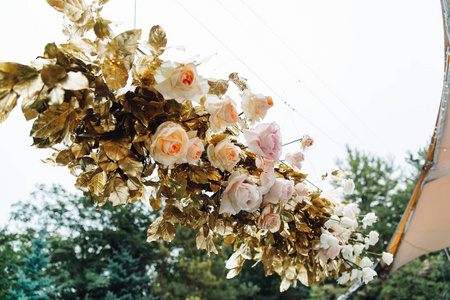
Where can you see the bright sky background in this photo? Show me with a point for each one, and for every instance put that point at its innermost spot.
(364, 73)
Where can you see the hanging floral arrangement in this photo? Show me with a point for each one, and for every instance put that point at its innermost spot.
(130, 126)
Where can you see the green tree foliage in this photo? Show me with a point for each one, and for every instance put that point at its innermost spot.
(31, 281)
(124, 283)
(383, 187)
(103, 254)
(83, 239)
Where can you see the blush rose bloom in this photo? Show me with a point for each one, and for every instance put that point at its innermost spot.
(269, 220)
(180, 82)
(240, 194)
(255, 106)
(307, 142)
(302, 190)
(169, 144)
(265, 140)
(295, 159)
(224, 156)
(223, 113)
(267, 176)
(281, 190)
(195, 148)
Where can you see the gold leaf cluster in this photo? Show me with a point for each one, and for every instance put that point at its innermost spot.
(81, 104)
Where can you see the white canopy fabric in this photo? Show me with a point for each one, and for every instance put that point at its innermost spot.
(425, 225)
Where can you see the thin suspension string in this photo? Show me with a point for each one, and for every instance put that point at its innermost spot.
(315, 74)
(135, 8)
(257, 76)
(294, 75)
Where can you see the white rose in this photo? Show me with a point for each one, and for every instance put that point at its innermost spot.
(365, 262)
(180, 82)
(369, 219)
(348, 186)
(368, 274)
(345, 277)
(387, 258)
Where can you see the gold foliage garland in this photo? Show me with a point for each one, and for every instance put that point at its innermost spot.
(101, 128)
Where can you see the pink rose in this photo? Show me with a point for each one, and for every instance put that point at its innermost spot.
(281, 190)
(302, 190)
(223, 113)
(269, 220)
(307, 142)
(180, 82)
(295, 159)
(267, 176)
(265, 140)
(225, 155)
(169, 143)
(240, 194)
(255, 106)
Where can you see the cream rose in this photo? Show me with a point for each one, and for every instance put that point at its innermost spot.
(225, 155)
(269, 220)
(223, 113)
(240, 194)
(255, 106)
(180, 82)
(265, 140)
(195, 148)
(169, 144)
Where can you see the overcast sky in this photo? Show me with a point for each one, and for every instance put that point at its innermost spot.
(363, 73)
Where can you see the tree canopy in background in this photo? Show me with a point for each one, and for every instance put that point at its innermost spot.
(58, 246)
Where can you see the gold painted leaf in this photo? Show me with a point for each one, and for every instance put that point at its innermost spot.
(173, 214)
(126, 43)
(52, 74)
(131, 166)
(241, 83)
(80, 150)
(116, 149)
(144, 110)
(229, 239)
(64, 157)
(8, 101)
(116, 191)
(337, 175)
(161, 229)
(97, 182)
(201, 239)
(157, 38)
(73, 9)
(101, 28)
(51, 121)
(14, 73)
(287, 216)
(155, 203)
(115, 73)
(82, 182)
(196, 174)
(51, 52)
(218, 87)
